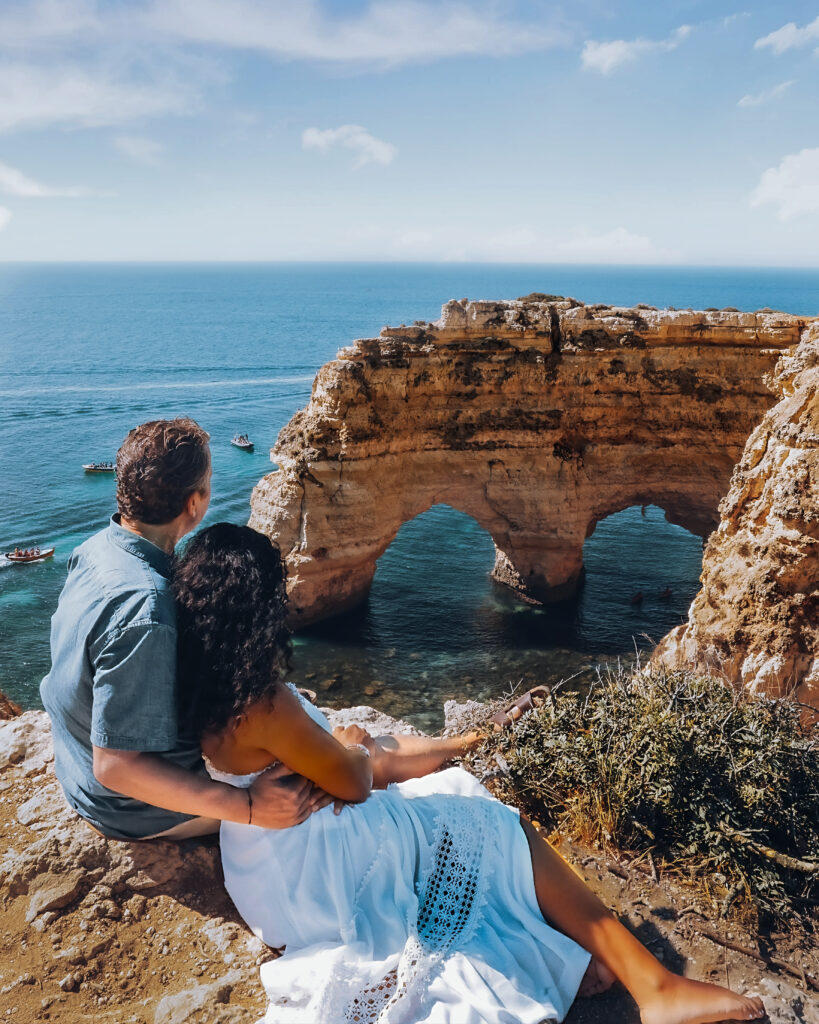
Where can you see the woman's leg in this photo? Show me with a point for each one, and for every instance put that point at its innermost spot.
(568, 904)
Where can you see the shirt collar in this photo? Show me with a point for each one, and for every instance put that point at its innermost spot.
(134, 544)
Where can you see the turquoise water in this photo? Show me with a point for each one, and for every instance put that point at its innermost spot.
(88, 351)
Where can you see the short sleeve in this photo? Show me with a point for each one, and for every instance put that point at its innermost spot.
(134, 702)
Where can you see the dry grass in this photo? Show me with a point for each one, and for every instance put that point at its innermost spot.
(680, 765)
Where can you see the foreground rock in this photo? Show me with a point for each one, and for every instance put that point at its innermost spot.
(107, 931)
(144, 933)
(8, 709)
(756, 620)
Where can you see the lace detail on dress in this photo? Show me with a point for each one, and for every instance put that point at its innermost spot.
(382, 836)
(451, 899)
(367, 1007)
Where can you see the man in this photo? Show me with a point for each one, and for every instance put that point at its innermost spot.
(125, 764)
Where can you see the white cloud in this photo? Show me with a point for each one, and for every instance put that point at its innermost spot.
(605, 57)
(46, 23)
(139, 148)
(789, 36)
(92, 63)
(368, 149)
(35, 96)
(754, 100)
(793, 186)
(5, 216)
(15, 183)
(513, 244)
(616, 246)
(385, 32)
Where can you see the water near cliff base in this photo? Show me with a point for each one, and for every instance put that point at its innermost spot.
(88, 351)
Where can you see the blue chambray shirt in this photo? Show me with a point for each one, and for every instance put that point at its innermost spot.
(113, 676)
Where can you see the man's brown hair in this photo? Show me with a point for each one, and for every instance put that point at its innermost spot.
(159, 466)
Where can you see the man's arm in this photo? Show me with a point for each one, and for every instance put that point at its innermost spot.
(280, 798)
(134, 719)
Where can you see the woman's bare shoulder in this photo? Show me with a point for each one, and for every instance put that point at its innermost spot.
(243, 744)
(276, 720)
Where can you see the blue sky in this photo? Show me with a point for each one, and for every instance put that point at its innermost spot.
(616, 132)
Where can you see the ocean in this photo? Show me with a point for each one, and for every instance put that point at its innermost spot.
(88, 351)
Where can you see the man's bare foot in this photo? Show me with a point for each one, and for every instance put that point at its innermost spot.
(597, 979)
(685, 1001)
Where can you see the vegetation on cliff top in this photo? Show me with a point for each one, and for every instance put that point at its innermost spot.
(715, 783)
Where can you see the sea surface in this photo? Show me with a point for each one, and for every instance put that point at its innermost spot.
(88, 351)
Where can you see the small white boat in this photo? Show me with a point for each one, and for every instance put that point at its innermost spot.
(30, 555)
(242, 441)
(99, 467)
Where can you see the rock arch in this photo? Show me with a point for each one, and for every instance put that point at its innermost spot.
(538, 417)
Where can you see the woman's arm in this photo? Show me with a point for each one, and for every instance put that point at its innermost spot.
(283, 729)
(398, 758)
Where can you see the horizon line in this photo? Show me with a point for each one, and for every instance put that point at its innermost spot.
(117, 261)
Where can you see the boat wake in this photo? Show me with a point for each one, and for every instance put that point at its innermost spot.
(63, 389)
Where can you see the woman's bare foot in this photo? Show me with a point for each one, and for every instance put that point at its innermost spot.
(597, 979)
(685, 1001)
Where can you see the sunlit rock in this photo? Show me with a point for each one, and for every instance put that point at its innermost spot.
(756, 620)
(538, 417)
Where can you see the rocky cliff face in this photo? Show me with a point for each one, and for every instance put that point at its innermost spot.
(538, 417)
(756, 619)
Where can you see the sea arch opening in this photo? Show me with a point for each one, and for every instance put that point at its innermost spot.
(432, 580)
(425, 631)
(641, 573)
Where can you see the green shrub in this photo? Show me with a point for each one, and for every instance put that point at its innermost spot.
(684, 766)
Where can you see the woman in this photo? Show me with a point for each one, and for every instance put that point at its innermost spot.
(427, 901)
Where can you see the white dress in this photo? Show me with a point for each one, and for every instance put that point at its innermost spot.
(415, 907)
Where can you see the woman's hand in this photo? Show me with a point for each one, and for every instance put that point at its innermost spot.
(354, 735)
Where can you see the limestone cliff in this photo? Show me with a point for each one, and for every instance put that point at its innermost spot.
(539, 417)
(756, 619)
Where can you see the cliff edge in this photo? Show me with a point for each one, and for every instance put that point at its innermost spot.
(755, 622)
(144, 933)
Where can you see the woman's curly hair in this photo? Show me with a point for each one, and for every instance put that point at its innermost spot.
(231, 607)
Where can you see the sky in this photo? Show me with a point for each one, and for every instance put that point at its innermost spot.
(591, 131)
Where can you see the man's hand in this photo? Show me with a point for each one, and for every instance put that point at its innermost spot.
(282, 799)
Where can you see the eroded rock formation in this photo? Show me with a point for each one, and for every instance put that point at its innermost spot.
(756, 619)
(538, 417)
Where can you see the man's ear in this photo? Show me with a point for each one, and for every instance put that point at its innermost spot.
(192, 503)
